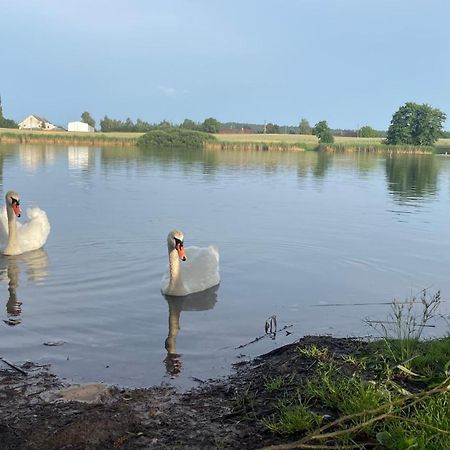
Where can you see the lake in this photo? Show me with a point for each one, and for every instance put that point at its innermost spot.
(321, 241)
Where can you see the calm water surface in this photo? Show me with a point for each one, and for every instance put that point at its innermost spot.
(297, 234)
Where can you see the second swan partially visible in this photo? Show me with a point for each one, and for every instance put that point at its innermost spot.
(17, 238)
(199, 271)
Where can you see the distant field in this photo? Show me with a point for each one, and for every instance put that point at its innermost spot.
(303, 138)
(444, 142)
(290, 138)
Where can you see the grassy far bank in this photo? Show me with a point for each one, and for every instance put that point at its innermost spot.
(224, 141)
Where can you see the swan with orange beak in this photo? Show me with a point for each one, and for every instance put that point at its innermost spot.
(199, 269)
(17, 238)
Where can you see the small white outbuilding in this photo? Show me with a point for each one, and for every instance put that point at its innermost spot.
(80, 126)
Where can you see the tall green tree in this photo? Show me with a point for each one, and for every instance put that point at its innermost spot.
(415, 124)
(189, 124)
(323, 132)
(210, 125)
(368, 132)
(87, 118)
(304, 127)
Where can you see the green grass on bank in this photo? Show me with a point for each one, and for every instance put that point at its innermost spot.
(391, 393)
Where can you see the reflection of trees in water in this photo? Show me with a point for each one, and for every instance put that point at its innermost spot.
(195, 160)
(365, 162)
(412, 176)
(323, 163)
(34, 264)
(200, 301)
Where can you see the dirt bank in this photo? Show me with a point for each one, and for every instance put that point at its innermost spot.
(35, 415)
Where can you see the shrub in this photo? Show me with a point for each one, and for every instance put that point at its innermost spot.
(174, 137)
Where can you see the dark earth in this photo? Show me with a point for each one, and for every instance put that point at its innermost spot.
(36, 412)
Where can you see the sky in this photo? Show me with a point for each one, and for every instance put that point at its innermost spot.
(349, 62)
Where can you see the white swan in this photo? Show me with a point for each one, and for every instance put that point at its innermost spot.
(200, 270)
(17, 238)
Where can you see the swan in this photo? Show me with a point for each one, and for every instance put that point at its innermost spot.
(199, 272)
(17, 238)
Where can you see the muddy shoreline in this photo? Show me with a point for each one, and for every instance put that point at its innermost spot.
(33, 414)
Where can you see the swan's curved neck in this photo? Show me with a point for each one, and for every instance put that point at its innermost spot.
(12, 246)
(175, 281)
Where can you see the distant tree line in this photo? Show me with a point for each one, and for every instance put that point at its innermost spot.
(411, 124)
(209, 125)
(4, 122)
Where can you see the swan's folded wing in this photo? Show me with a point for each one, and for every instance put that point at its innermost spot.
(201, 270)
(3, 227)
(34, 233)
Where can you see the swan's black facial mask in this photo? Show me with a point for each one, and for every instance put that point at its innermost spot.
(15, 206)
(180, 249)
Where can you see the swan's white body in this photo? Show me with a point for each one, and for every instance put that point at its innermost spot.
(17, 238)
(199, 272)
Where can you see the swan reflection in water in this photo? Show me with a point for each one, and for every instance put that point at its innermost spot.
(200, 301)
(34, 264)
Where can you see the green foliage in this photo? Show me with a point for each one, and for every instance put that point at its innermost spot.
(107, 124)
(423, 426)
(210, 125)
(272, 128)
(346, 395)
(323, 132)
(87, 118)
(8, 123)
(304, 127)
(4, 122)
(433, 358)
(277, 382)
(415, 124)
(403, 329)
(292, 417)
(189, 124)
(174, 137)
(368, 132)
(244, 403)
(313, 351)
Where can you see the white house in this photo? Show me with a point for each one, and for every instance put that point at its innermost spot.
(80, 126)
(35, 122)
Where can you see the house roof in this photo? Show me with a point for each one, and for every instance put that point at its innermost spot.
(41, 119)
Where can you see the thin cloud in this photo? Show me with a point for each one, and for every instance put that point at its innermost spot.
(172, 92)
(167, 91)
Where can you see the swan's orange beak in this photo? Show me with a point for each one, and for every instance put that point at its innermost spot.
(16, 209)
(181, 252)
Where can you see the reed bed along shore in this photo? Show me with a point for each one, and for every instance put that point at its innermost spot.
(68, 138)
(244, 142)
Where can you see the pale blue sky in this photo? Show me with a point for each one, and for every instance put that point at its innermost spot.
(350, 62)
